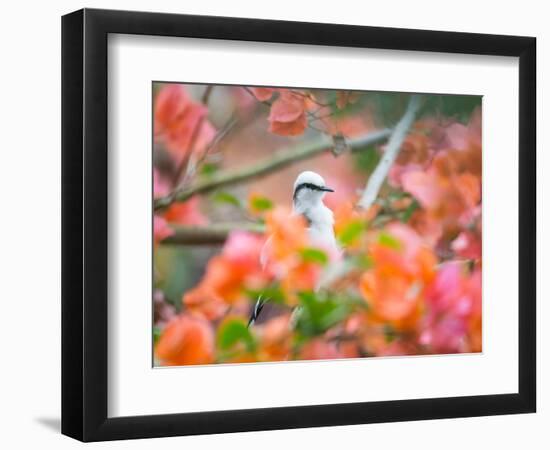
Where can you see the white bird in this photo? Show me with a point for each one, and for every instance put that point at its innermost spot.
(309, 190)
(307, 201)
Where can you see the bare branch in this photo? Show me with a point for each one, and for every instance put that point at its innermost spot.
(180, 170)
(390, 154)
(278, 161)
(221, 134)
(209, 234)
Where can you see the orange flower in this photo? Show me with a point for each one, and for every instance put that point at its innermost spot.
(440, 166)
(343, 98)
(300, 277)
(204, 301)
(371, 337)
(170, 105)
(180, 122)
(288, 233)
(228, 274)
(224, 278)
(443, 194)
(276, 339)
(262, 93)
(186, 340)
(288, 114)
(402, 267)
(319, 348)
(429, 227)
(288, 237)
(186, 213)
(415, 149)
(473, 286)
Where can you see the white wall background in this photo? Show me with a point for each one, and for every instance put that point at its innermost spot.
(30, 230)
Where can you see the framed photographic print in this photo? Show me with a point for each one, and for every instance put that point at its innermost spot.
(276, 225)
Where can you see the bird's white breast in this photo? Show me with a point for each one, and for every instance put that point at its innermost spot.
(321, 227)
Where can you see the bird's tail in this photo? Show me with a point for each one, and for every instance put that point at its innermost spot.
(260, 303)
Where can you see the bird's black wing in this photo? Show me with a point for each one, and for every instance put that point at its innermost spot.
(260, 303)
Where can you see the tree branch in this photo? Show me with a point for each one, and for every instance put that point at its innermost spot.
(390, 154)
(281, 159)
(209, 234)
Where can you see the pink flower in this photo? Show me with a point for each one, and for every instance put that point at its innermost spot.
(161, 188)
(181, 123)
(343, 192)
(244, 249)
(453, 300)
(395, 175)
(467, 245)
(424, 186)
(445, 336)
(161, 230)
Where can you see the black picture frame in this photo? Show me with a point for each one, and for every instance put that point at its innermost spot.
(84, 224)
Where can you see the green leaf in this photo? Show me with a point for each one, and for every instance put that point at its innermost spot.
(208, 169)
(406, 215)
(261, 204)
(156, 334)
(389, 241)
(389, 333)
(226, 197)
(351, 233)
(234, 331)
(367, 159)
(273, 293)
(172, 272)
(314, 255)
(362, 261)
(319, 312)
(459, 106)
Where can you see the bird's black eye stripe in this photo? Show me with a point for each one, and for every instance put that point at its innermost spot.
(311, 186)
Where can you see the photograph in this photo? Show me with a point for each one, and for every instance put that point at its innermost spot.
(294, 223)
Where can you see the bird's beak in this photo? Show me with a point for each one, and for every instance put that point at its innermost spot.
(327, 189)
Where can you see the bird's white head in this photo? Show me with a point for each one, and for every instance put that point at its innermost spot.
(309, 189)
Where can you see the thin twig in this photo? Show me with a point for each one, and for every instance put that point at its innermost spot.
(181, 169)
(221, 134)
(313, 99)
(279, 160)
(269, 103)
(206, 95)
(390, 154)
(251, 92)
(190, 149)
